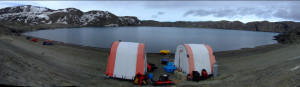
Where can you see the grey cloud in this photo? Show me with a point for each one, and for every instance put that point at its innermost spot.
(206, 4)
(263, 13)
(291, 13)
(215, 13)
(156, 15)
(169, 4)
(160, 13)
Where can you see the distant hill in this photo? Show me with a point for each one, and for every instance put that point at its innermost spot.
(264, 26)
(27, 17)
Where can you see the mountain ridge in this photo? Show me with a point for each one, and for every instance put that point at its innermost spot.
(263, 26)
(28, 17)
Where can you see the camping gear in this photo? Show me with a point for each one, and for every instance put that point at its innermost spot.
(164, 61)
(45, 43)
(150, 76)
(126, 59)
(196, 76)
(151, 67)
(136, 80)
(204, 74)
(164, 77)
(215, 73)
(194, 57)
(34, 40)
(28, 38)
(179, 74)
(164, 52)
(163, 80)
(140, 79)
(170, 68)
(50, 42)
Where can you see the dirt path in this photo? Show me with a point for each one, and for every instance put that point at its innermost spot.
(27, 63)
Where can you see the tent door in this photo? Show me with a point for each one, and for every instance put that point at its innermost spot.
(181, 55)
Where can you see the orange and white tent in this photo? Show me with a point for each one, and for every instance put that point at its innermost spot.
(194, 57)
(126, 59)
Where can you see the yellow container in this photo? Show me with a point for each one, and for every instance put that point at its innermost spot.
(164, 51)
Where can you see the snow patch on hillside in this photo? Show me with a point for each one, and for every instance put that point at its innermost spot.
(62, 21)
(127, 20)
(30, 13)
(89, 17)
(41, 16)
(111, 25)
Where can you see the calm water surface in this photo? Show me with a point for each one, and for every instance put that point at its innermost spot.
(158, 38)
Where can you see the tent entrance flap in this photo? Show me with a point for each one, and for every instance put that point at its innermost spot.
(126, 60)
(201, 58)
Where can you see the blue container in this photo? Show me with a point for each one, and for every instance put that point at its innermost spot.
(170, 64)
(170, 69)
(150, 76)
(165, 67)
(164, 59)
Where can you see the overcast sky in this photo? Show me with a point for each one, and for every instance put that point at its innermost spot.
(245, 11)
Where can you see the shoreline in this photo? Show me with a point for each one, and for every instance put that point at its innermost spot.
(27, 63)
(70, 44)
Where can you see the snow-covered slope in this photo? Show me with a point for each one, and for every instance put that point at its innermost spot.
(34, 15)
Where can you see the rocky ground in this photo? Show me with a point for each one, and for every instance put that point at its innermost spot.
(26, 63)
(289, 37)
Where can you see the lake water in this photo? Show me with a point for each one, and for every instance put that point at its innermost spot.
(158, 38)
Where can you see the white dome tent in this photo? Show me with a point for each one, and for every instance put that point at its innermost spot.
(126, 59)
(194, 57)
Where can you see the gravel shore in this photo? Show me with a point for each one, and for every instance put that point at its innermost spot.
(26, 63)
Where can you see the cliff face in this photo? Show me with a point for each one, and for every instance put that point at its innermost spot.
(264, 26)
(27, 17)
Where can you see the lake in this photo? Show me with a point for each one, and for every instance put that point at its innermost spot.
(158, 38)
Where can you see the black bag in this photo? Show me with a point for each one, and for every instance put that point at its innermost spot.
(196, 76)
(153, 67)
(164, 78)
